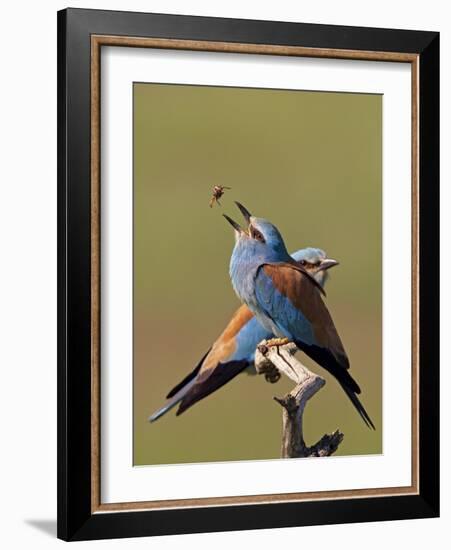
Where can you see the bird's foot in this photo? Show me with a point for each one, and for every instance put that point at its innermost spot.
(277, 342)
(266, 367)
(272, 374)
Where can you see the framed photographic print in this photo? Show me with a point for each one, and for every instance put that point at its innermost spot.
(248, 274)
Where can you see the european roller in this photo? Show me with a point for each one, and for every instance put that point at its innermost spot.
(286, 299)
(234, 350)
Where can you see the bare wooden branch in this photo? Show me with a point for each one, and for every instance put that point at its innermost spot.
(271, 360)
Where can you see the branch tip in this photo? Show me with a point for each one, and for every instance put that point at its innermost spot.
(269, 361)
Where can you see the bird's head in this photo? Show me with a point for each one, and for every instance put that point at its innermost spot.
(316, 262)
(259, 237)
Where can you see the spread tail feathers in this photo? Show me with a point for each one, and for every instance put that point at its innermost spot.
(187, 378)
(179, 391)
(204, 386)
(172, 402)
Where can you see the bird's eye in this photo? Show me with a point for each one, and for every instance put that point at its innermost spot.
(255, 234)
(303, 262)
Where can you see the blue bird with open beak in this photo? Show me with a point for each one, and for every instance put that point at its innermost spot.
(286, 299)
(234, 350)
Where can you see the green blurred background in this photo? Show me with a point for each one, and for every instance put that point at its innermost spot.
(311, 162)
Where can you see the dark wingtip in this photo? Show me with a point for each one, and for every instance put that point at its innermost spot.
(187, 378)
(183, 407)
(360, 408)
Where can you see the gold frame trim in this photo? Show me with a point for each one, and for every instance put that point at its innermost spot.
(97, 41)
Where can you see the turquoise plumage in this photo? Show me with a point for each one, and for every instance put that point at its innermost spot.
(286, 299)
(234, 349)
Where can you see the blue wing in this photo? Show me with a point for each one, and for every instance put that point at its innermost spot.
(232, 352)
(289, 319)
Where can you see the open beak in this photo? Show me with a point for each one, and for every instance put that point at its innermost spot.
(327, 263)
(247, 217)
(245, 212)
(235, 225)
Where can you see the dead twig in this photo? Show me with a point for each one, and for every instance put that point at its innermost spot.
(272, 360)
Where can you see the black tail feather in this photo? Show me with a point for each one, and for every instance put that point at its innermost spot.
(202, 388)
(359, 407)
(187, 378)
(324, 358)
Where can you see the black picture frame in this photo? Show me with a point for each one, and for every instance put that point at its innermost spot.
(76, 520)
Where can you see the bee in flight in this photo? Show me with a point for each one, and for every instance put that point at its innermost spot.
(218, 191)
